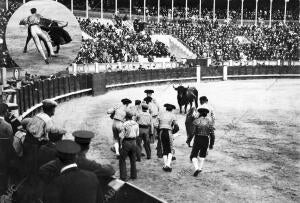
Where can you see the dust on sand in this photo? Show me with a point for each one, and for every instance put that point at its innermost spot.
(256, 155)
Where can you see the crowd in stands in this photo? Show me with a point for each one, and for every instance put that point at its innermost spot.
(121, 44)
(112, 44)
(5, 60)
(233, 42)
(220, 13)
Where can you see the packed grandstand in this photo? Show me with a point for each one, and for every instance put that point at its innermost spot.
(205, 36)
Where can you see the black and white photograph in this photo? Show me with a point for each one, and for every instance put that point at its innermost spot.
(149, 101)
(43, 36)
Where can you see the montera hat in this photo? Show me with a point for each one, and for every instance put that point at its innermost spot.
(148, 99)
(169, 106)
(149, 91)
(83, 136)
(203, 109)
(126, 101)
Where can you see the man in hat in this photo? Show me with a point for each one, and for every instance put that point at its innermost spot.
(136, 109)
(40, 125)
(73, 184)
(38, 128)
(154, 111)
(167, 121)
(118, 115)
(103, 172)
(202, 127)
(204, 103)
(128, 135)
(6, 148)
(47, 152)
(144, 120)
(149, 93)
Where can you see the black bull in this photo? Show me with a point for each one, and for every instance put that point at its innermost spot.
(185, 96)
(57, 34)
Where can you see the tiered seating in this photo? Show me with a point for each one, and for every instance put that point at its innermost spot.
(117, 44)
(5, 60)
(221, 42)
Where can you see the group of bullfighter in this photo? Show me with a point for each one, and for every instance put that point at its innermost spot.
(144, 122)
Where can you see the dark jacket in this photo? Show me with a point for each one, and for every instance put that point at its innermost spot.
(101, 170)
(73, 186)
(6, 152)
(47, 153)
(51, 169)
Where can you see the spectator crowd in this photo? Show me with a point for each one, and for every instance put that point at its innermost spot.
(117, 44)
(5, 60)
(120, 43)
(179, 12)
(208, 38)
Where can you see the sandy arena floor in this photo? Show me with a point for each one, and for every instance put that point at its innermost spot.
(256, 155)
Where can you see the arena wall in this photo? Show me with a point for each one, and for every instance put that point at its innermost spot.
(29, 96)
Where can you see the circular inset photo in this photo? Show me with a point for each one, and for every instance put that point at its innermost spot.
(43, 37)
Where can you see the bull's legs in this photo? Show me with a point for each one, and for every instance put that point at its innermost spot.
(185, 106)
(196, 103)
(57, 49)
(180, 111)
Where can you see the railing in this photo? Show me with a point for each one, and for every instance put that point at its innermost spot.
(123, 79)
(29, 97)
(121, 66)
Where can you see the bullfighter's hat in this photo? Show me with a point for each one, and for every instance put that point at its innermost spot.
(169, 106)
(149, 91)
(126, 101)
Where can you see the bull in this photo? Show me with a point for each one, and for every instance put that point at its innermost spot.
(185, 96)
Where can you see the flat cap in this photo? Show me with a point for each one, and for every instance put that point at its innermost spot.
(126, 101)
(49, 103)
(138, 102)
(83, 136)
(67, 147)
(148, 99)
(145, 106)
(169, 106)
(149, 91)
(56, 134)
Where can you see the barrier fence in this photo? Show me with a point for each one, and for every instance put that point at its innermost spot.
(29, 96)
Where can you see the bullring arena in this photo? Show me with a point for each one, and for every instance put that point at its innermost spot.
(243, 58)
(256, 156)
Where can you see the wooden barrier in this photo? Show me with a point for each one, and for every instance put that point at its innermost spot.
(29, 97)
(32, 94)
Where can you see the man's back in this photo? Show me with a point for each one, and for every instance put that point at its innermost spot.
(46, 153)
(73, 185)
